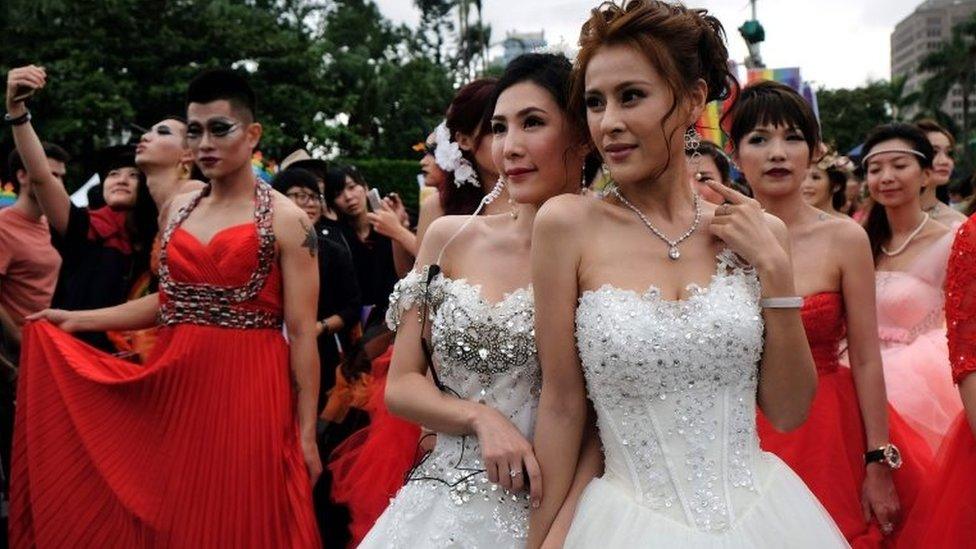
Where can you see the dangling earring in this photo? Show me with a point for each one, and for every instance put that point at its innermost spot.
(514, 207)
(693, 145)
(185, 172)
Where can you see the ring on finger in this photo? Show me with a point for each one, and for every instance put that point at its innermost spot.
(514, 474)
(887, 528)
(726, 207)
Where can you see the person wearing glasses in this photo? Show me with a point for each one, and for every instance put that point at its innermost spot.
(212, 441)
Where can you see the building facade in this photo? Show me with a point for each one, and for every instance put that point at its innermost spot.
(921, 33)
(517, 43)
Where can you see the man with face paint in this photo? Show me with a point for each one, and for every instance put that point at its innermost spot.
(212, 441)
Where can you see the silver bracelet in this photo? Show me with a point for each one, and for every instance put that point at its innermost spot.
(794, 302)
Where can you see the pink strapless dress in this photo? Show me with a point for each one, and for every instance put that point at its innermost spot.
(911, 327)
(945, 514)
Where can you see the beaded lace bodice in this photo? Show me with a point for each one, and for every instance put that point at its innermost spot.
(674, 386)
(961, 302)
(911, 302)
(482, 351)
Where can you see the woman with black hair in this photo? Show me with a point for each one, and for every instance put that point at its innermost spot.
(910, 254)
(825, 186)
(104, 251)
(472, 289)
(776, 137)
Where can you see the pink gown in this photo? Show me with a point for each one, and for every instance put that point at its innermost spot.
(911, 327)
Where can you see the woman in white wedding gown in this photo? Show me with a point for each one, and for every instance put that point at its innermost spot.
(683, 313)
(472, 288)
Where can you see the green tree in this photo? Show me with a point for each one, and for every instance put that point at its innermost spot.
(847, 115)
(393, 96)
(110, 64)
(899, 102)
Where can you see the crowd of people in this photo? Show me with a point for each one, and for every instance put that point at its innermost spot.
(598, 329)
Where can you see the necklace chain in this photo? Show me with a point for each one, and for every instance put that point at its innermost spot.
(925, 218)
(673, 252)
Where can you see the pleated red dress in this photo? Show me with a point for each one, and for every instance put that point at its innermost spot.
(197, 448)
(827, 451)
(946, 513)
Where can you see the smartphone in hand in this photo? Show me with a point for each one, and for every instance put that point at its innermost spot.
(375, 202)
(22, 93)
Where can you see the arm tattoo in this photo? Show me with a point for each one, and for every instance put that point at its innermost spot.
(311, 242)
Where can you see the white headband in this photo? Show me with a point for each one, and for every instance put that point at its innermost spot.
(448, 156)
(864, 161)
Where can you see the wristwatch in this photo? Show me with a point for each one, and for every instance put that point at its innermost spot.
(888, 455)
(17, 120)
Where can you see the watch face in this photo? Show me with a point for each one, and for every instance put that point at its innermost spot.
(892, 456)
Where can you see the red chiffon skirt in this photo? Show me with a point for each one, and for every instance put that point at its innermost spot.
(945, 514)
(198, 448)
(827, 452)
(369, 467)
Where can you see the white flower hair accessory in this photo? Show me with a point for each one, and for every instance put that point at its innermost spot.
(448, 156)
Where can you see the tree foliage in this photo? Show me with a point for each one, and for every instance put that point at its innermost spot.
(313, 64)
(847, 115)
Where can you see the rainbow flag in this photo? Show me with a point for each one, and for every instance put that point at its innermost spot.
(7, 195)
(710, 126)
(789, 76)
(264, 169)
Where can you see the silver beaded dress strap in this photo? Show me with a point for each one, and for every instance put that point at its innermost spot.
(209, 304)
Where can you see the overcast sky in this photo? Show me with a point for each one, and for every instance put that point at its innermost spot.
(837, 43)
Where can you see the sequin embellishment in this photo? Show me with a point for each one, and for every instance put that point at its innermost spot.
(212, 305)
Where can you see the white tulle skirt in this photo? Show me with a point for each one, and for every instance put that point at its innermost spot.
(786, 514)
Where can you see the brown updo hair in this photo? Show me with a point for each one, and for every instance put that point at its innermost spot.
(466, 114)
(683, 44)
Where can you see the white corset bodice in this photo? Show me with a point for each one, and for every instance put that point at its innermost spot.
(674, 386)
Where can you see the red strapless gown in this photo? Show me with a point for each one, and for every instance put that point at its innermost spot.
(370, 466)
(946, 513)
(197, 448)
(827, 451)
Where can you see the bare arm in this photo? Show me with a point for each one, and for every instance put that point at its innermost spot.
(967, 389)
(409, 391)
(562, 404)
(589, 466)
(137, 314)
(404, 251)
(857, 285)
(298, 246)
(50, 193)
(430, 210)
(411, 394)
(787, 374)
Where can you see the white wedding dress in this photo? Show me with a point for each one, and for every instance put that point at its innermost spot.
(485, 352)
(674, 387)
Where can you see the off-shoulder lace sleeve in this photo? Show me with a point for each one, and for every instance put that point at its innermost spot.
(408, 293)
(961, 302)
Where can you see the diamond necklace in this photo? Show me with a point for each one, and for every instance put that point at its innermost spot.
(673, 252)
(900, 249)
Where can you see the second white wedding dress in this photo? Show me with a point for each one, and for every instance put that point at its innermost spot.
(484, 352)
(674, 387)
